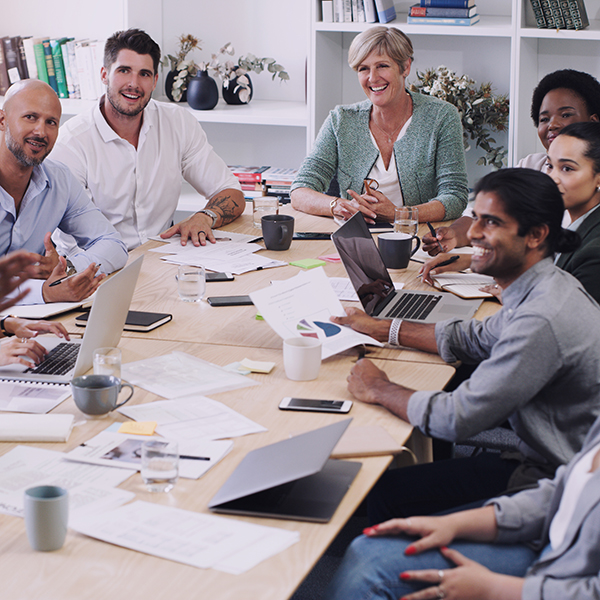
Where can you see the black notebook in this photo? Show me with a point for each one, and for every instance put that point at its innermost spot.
(136, 320)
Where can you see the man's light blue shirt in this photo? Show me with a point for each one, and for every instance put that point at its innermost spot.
(55, 199)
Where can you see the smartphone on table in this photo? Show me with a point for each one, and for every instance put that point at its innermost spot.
(316, 405)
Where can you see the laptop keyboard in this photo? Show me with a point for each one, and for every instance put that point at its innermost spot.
(414, 306)
(59, 360)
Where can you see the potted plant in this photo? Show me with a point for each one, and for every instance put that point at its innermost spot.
(480, 110)
(181, 68)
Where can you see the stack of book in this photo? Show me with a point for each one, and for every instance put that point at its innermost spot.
(71, 67)
(250, 178)
(358, 11)
(443, 12)
(277, 182)
(560, 14)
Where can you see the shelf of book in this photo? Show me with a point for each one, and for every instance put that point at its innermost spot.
(592, 32)
(489, 25)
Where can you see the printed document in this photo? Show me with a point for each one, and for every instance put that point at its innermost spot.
(302, 306)
(31, 397)
(187, 537)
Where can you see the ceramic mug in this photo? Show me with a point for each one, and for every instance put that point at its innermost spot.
(277, 231)
(302, 358)
(397, 248)
(97, 395)
(46, 511)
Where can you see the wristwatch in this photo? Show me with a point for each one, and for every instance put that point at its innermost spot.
(213, 215)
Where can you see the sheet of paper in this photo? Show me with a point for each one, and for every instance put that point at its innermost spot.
(302, 306)
(125, 451)
(187, 537)
(239, 265)
(193, 418)
(222, 237)
(180, 374)
(89, 485)
(26, 397)
(344, 289)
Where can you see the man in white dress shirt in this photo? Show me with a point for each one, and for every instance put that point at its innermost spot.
(130, 153)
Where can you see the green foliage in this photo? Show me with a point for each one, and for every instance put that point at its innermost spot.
(481, 111)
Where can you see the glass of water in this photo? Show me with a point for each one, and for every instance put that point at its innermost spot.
(406, 220)
(107, 361)
(264, 205)
(160, 465)
(191, 283)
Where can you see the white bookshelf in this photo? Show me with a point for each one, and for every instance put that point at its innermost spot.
(505, 47)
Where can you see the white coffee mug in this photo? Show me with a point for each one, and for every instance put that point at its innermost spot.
(302, 358)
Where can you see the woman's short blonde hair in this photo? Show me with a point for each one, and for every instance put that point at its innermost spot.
(381, 40)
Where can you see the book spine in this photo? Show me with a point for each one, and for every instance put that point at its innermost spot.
(73, 67)
(457, 13)
(579, 14)
(538, 13)
(40, 61)
(11, 59)
(442, 21)
(23, 70)
(448, 3)
(327, 11)
(59, 69)
(385, 10)
(559, 22)
(566, 13)
(360, 11)
(50, 65)
(30, 57)
(4, 80)
(370, 11)
(347, 11)
(548, 14)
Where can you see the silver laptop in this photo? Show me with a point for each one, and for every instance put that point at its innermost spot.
(375, 288)
(291, 479)
(66, 360)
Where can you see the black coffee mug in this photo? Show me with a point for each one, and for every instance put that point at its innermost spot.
(277, 231)
(396, 249)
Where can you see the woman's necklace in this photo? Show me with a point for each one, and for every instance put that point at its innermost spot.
(391, 137)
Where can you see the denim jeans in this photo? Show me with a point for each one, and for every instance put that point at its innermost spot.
(371, 566)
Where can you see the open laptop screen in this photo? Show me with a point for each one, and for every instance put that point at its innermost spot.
(363, 263)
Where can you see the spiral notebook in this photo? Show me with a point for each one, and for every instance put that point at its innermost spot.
(31, 396)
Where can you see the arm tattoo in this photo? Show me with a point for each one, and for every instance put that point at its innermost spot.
(225, 206)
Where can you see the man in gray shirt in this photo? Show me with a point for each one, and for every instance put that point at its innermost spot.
(538, 359)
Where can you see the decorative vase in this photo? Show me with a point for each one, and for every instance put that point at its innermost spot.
(169, 87)
(233, 97)
(202, 92)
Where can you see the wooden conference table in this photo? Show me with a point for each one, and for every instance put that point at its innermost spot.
(86, 568)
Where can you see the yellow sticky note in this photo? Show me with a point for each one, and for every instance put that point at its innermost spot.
(138, 427)
(257, 366)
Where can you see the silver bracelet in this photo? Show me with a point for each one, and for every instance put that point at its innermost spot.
(394, 335)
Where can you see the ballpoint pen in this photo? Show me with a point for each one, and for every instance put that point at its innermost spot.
(445, 263)
(432, 231)
(67, 277)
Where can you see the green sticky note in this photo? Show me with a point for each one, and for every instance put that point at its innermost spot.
(308, 263)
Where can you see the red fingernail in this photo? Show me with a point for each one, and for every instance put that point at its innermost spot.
(444, 548)
(410, 551)
(404, 576)
(369, 530)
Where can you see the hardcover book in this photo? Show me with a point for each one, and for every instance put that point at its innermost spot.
(449, 3)
(385, 10)
(416, 10)
(442, 21)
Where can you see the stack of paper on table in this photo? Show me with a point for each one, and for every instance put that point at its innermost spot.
(31, 397)
(125, 451)
(91, 488)
(193, 418)
(191, 538)
(465, 285)
(35, 428)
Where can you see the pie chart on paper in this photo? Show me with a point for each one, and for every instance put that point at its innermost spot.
(307, 329)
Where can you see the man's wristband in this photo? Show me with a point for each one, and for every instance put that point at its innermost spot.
(3, 325)
(333, 204)
(394, 334)
(213, 215)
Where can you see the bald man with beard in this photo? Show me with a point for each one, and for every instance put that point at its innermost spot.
(38, 196)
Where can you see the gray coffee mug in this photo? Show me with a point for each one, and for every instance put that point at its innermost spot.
(396, 249)
(46, 511)
(97, 395)
(277, 231)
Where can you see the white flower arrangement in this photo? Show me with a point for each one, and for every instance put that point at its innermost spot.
(480, 110)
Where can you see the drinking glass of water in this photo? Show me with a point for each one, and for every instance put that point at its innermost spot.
(191, 283)
(160, 465)
(107, 361)
(406, 220)
(264, 205)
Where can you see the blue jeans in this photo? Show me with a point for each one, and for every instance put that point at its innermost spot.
(371, 566)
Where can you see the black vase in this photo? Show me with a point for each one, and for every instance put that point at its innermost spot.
(202, 92)
(233, 97)
(169, 87)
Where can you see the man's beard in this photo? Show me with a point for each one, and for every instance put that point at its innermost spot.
(19, 152)
(122, 110)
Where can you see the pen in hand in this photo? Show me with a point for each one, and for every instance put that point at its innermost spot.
(432, 231)
(67, 277)
(445, 263)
